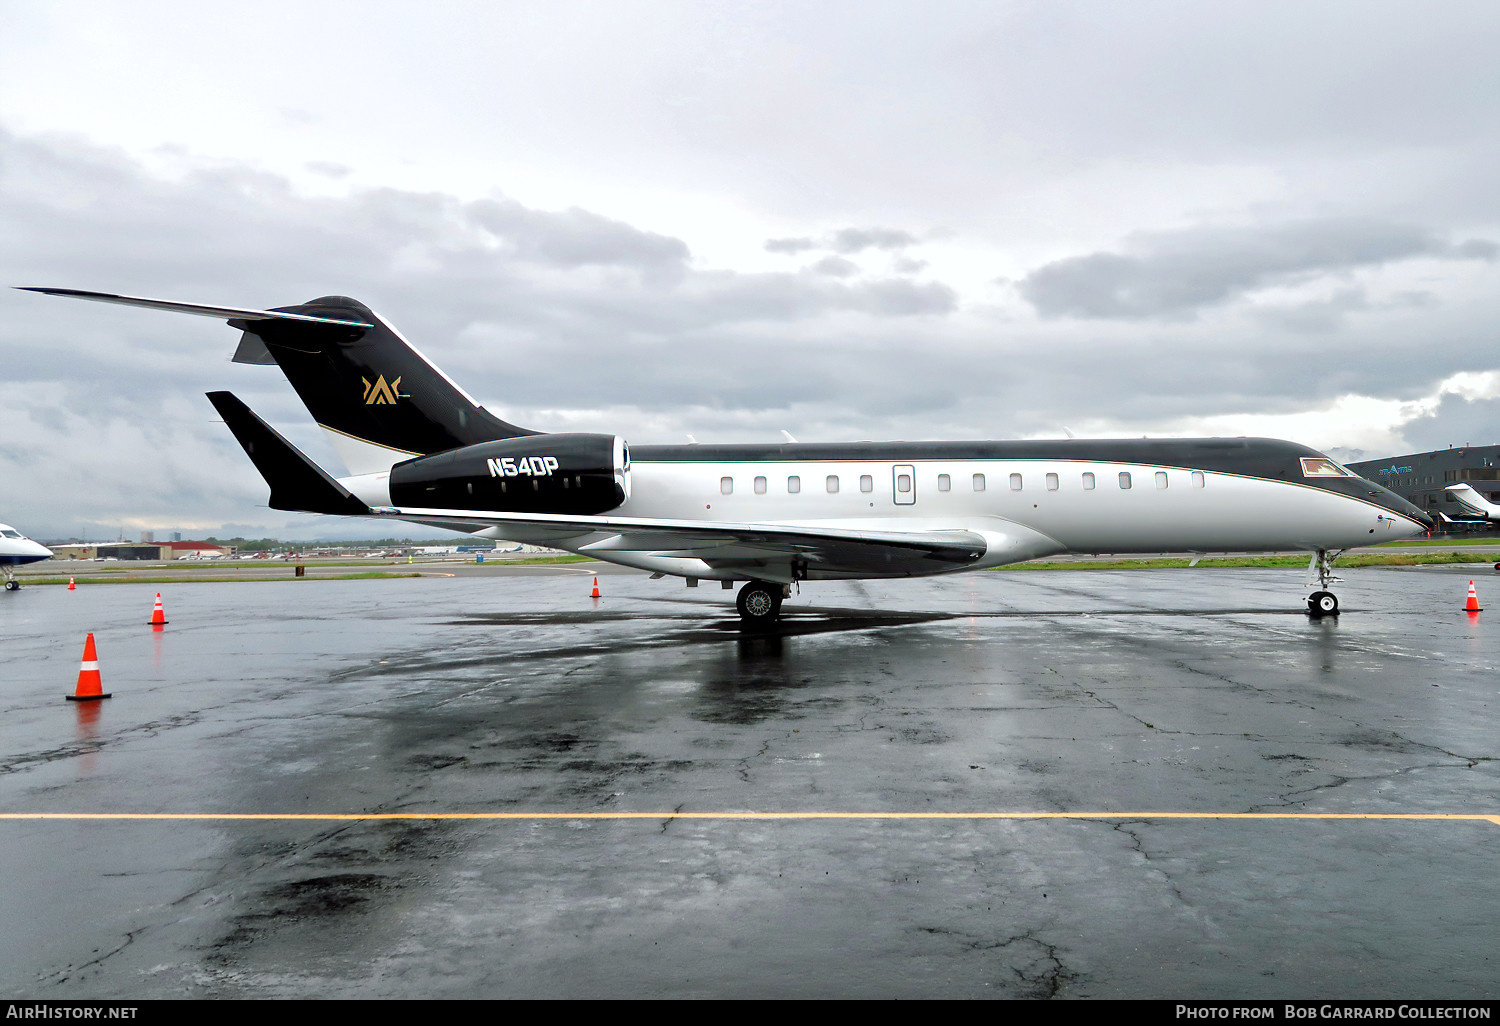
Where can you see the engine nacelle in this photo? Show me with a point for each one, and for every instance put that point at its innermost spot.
(565, 473)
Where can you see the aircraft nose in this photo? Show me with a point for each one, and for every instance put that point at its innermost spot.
(1403, 509)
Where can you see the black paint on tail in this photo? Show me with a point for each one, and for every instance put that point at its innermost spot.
(368, 382)
(297, 483)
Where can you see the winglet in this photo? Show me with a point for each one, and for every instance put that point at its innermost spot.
(297, 483)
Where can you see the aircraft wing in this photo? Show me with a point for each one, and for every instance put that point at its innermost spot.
(768, 551)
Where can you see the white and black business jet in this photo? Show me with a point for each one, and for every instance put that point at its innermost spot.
(421, 450)
(1476, 505)
(18, 550)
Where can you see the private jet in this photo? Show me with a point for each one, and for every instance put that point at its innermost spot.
(18, 550)
(767, 516)
(1477, 506)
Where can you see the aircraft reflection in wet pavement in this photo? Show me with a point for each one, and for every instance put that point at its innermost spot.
(16, 550)
(421, 450)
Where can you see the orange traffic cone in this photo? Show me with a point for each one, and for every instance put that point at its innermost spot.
(596, 588)
(1472, 605)
(71, 585)
(158, 614)
(90, 685)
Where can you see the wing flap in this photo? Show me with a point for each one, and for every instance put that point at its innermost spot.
(729, 546)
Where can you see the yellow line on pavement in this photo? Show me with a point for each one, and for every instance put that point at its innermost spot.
(380, 816)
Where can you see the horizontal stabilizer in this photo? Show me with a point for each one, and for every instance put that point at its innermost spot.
(224, 312)
(297, 483)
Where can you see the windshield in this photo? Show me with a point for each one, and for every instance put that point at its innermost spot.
(1321, 466)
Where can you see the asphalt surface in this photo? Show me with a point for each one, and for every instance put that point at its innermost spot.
(1115, 698)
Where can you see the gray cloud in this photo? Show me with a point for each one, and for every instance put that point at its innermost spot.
(836, 267)
(575, 238)
(1176, 274)
(853, 240)
(792, 246)
(328, 168)
(845, 240)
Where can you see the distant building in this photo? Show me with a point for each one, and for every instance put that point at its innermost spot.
(152, 552)
(1421, 478)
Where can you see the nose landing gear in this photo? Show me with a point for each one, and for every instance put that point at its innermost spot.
(1322, 602)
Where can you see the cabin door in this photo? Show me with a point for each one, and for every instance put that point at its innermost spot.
(904, 484)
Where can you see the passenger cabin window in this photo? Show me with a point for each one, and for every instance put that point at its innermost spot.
(903, 484)
(1015, 482)
(833, 484)
(1197, 479)
(1161, 479)
(1051, 482)
(866, 483)
(979, 482)
(726, 486)
(793, 485)
(760, 486)
(1088, 481)
(944, 482)
(1124, 479)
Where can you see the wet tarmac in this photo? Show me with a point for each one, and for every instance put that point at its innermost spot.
(1127, 694)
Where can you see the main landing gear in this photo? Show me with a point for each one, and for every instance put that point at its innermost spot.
(759, 603)
(1322, 602)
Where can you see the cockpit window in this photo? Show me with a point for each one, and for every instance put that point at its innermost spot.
(9, 534)
(1318, 467)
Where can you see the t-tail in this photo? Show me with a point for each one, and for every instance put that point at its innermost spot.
(377, 398)
(1472, 502)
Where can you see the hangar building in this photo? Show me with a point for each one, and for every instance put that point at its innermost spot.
(1421, 477)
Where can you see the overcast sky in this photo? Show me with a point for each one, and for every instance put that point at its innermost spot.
(863, 220)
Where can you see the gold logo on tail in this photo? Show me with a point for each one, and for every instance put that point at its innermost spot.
(381, 394)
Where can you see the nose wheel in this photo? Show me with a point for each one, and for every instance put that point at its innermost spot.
(11, 584)
(1321, 604)
(759, 603)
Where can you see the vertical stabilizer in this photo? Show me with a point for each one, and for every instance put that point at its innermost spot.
(379, 400)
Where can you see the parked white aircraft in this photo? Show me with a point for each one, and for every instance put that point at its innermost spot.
(16, 550)
(421, 450)
(1473, 502)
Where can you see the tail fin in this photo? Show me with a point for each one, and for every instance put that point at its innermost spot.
(376, 397)
(1473, 502)
(368, 387)
(297, 483)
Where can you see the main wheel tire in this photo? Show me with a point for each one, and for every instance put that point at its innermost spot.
(1323, 603)
(759, 602)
